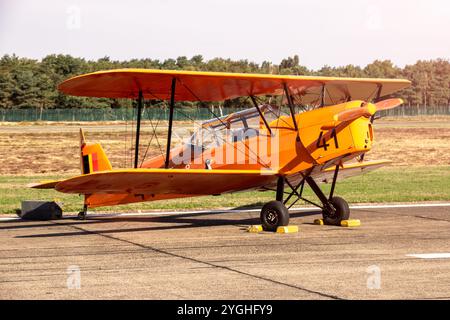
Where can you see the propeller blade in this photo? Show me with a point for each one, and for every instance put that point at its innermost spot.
(367, 110)
(388, 104)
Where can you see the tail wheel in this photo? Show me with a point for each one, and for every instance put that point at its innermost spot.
(82, 214)
(273, 215)
(341, 212)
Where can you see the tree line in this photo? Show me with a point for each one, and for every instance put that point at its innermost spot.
(29, 83)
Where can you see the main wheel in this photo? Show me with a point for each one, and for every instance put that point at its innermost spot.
(341, 212)
(273, 215)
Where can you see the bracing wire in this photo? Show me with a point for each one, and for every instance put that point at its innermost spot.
(154, 135)
(277, 115)
(155, 127)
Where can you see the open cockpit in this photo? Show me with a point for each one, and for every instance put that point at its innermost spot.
(234, 127)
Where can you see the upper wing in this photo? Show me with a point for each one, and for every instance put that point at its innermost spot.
(166, 181)
(219, 86)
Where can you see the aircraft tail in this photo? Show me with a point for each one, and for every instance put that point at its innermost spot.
(93, 157)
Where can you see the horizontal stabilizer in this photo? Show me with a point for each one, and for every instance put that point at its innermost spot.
(47, 184)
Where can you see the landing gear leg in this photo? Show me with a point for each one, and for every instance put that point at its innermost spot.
(82, 214)
(335, 209)
(275, 213)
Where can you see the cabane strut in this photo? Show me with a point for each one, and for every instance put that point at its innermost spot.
(169, 134)
(140, 102)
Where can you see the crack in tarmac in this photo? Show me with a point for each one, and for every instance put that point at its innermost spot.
(209, 264)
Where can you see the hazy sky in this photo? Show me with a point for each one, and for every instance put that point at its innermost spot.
(320, 32)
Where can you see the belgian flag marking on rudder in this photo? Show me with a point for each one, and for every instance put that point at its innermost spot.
(90, 163)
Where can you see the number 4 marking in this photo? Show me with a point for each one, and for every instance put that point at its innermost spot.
(322, 143)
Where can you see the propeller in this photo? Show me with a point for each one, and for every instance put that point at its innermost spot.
(367, 110)
(388, 104)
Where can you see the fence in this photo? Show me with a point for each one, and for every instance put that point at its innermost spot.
(417, 111)
(107, 114)
(122, 114)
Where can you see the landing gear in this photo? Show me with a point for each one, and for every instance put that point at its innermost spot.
(334, 209)
(341, 212)
(273, 215)
(82, 214)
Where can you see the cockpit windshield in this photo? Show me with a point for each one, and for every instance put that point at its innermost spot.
(234, 127)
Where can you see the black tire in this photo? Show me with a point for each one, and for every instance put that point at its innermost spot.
(342, 212)
(273, 215)
(81, 215)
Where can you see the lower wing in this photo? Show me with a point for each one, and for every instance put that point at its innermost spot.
(135, 185)
(163, 181)
(350, 170)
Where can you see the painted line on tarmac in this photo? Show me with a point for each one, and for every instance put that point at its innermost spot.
(388, 206)
(9, 219)
(295, 209)
(299, 209)
(442, 255)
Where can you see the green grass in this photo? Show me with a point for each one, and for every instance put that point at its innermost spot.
(390, 184)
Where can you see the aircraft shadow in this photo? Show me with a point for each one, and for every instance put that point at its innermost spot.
(178, 221)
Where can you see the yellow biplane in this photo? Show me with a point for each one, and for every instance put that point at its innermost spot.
(297, 130)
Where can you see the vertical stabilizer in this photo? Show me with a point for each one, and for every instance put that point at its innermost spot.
(93, 157)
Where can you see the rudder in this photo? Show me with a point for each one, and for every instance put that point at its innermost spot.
(93, 157)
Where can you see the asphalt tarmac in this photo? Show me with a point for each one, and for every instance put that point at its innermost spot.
(396, 253)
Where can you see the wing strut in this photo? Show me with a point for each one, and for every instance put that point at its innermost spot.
(378, 95)
(169, 134)
(291, 105)
(261, 114)
(377, 98)
(372, 118)
(138, 128)
(322, 96)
